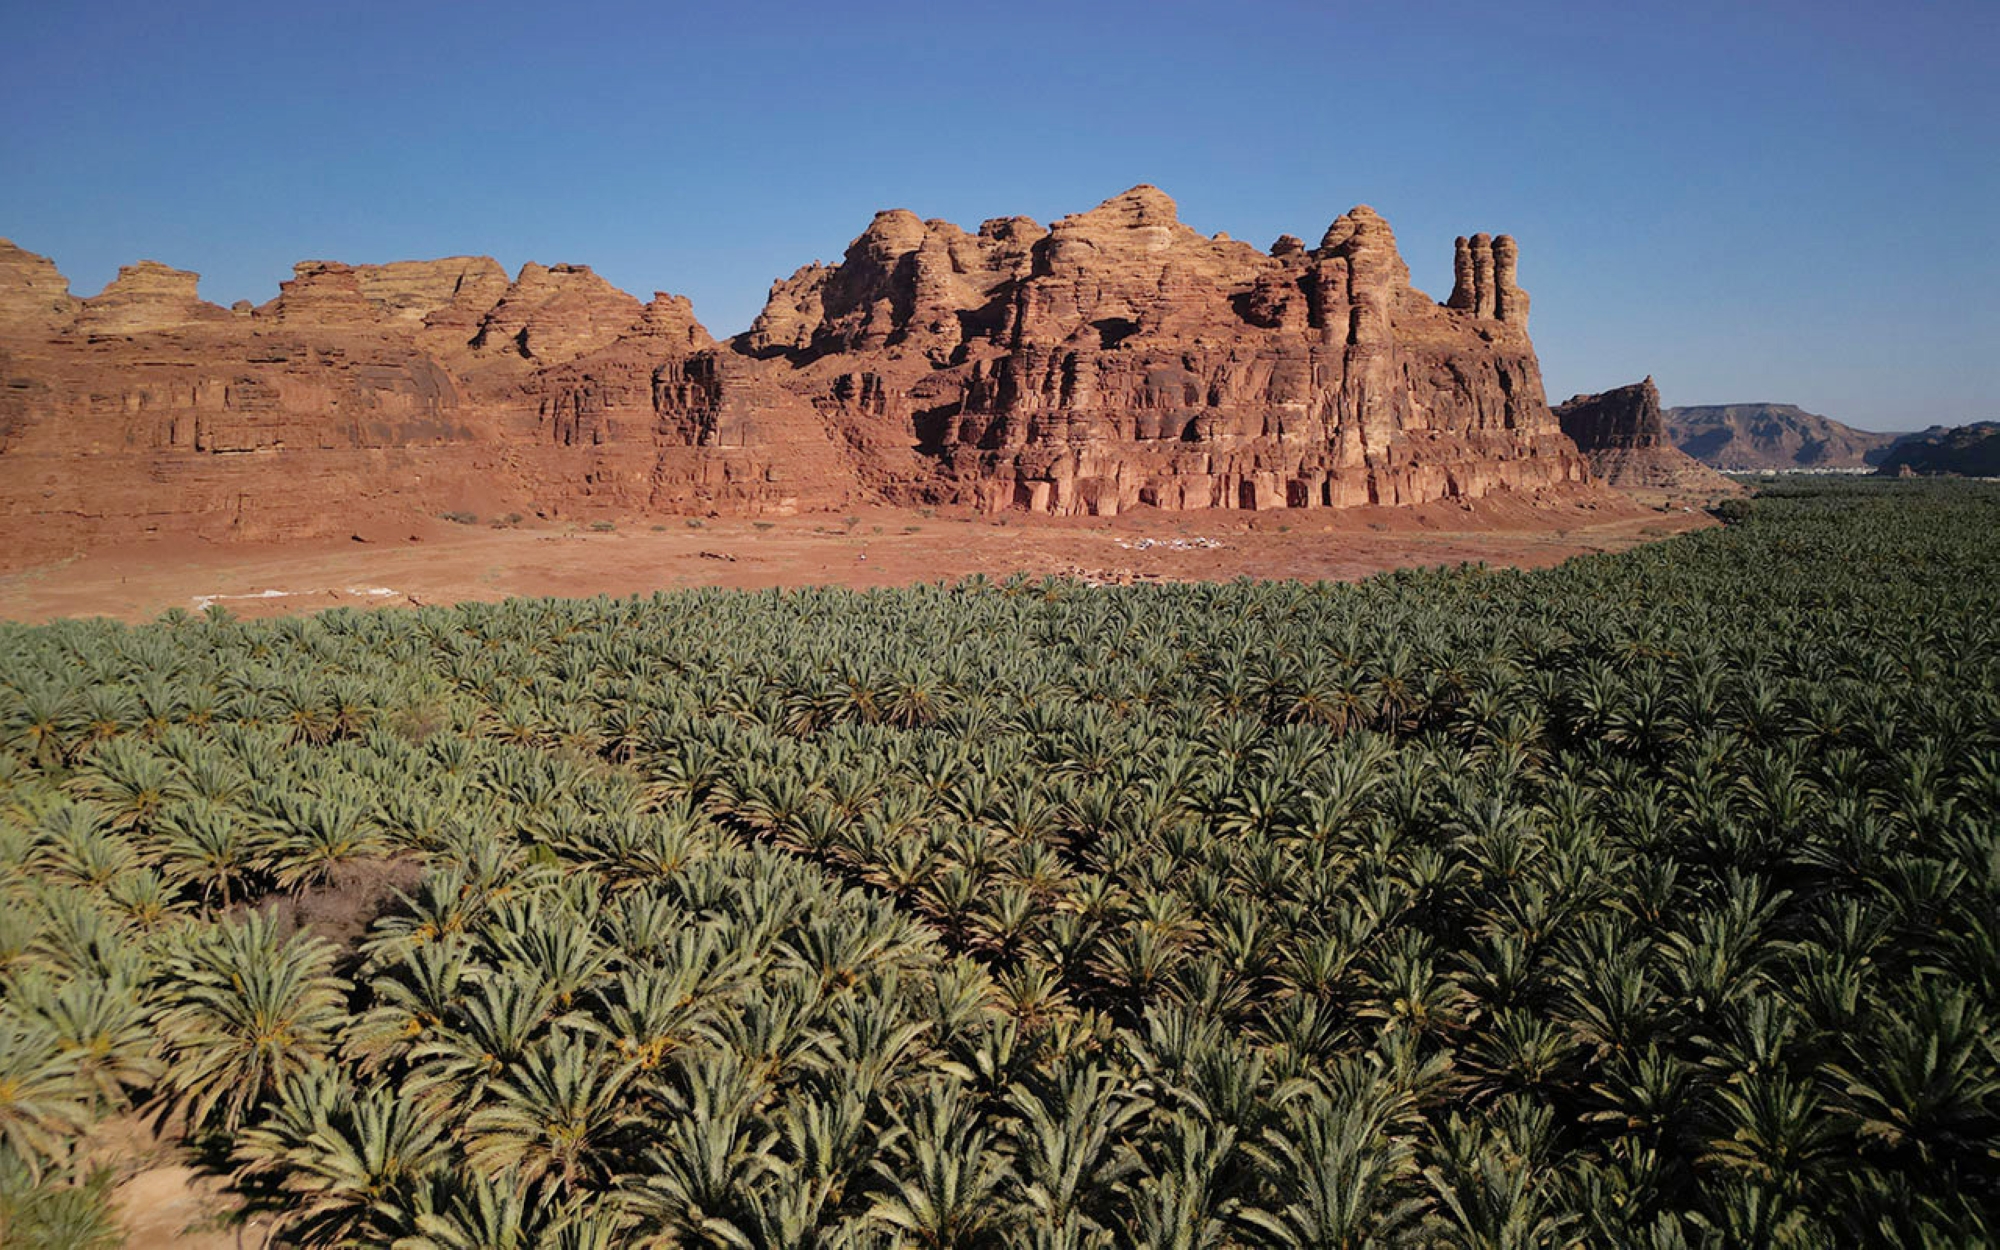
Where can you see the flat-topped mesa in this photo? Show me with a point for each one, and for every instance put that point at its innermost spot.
(1750, 437)
(34, 295)
(147, 297)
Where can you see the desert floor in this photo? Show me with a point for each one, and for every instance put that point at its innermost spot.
(439, 562)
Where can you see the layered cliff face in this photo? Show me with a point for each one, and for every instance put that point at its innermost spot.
(1121, 358)
(1624, 434)
(364, 396)
(1114, 359)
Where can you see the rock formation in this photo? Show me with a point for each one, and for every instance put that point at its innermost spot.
(146, 298)
(1748, 438)
(34, 296)
(1113, 360)
(1624, 434)
(1957, 450)
(1121, 359)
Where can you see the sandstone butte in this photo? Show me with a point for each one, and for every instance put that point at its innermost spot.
(1115, 359)
(1624, 435)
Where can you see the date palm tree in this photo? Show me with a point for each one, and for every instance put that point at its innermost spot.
(556, 1113)
(944, 1175)
(244, 1008)
(42, 1106)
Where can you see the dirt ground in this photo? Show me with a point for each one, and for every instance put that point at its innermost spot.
(439, 562)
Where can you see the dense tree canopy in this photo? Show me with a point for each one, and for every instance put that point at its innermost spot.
(1653, 899)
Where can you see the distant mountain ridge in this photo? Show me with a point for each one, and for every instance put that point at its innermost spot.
(1969, 450)
(1748, 438)
(1624, 435)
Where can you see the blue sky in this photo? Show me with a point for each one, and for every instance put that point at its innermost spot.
(1787, 201)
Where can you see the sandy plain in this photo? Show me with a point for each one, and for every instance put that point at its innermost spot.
(432, 561)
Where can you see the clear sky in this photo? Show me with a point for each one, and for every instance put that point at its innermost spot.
(1792, 202)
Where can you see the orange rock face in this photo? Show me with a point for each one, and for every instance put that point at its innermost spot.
(1115, 359)
(1122, 359)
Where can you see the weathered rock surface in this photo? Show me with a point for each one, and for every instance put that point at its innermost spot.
(146, 298)
(1624, 434)
(1749, 438)
(1122, 359)
(1113, 360)
(551, 314)
(457, 290)
(34, 296)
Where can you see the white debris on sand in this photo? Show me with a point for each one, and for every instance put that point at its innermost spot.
(1172, 544)
(204, 602)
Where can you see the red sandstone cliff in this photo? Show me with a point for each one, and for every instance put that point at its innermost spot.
(1120, 358)
(1116, 358)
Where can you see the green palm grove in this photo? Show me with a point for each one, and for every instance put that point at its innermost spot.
(1651, 900)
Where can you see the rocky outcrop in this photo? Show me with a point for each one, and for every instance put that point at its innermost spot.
(359, 395)
(458, 290)
(1484, 273)
(34, 296)
(1625, 419)
(1121, 359)
(552, 314)
(1749, 438)
(147, 298)
(1116, 359)
(1624, 434)
(324, 294)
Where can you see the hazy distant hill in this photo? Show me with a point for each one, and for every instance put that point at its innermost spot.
(1971, 450)
(1750, 437)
